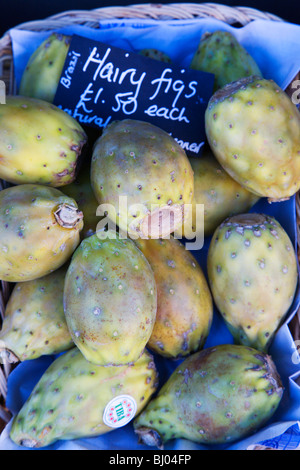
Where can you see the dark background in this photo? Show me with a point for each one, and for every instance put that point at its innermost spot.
(14, 12)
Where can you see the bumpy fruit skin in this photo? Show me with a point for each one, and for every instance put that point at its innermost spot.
(43, 70)
(184, 302)
(221, 54)
(156, 54)
(110, 300)
(220, 194)
(252, 271)
(81, 191)
(69, 400)
(34, 322)
(144, 164)
(253, 129)
(39, 231)
(215, 396)
(39, 143)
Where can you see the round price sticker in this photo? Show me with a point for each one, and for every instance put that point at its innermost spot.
(119, 411)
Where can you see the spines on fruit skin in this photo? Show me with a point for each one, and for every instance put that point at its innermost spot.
(252, 127)
(184, 302)
(39, 230)
(110, 299)
(39, 142)
(43, 70)
(221, 53)
(69, 400)
(34, 322)
(216, 396)
(253, 275)
(142, 163)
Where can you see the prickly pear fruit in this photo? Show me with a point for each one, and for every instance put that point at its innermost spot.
(253, 129)
(39, 230)
(39, 143)
(146, 177)
(221, 53)
(43, 70)
(156, 54)
(110, 299)
(220, 194)
(252, 271)
(34, 323)
(70, 400)
(184, 302)
(215, 396)
(81, 191)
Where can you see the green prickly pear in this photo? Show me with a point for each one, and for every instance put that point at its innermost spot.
(72, 397)
(39, 143)
(81, 191)
(252, 271)
(215, 396)
(156, 54)
(43, 70)
(184, 302)
(144, 164)
(221, 53)
(34, 323)
(220, 194)
(39, 230)
(110, 299)
(252, 127)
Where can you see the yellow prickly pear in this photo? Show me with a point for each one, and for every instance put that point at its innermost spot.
(144, 165)
(252, 127)
(34, 322)
(39, 230)
(252, 271)
(42, 73)
(220, 53)
(110, 299)
(215, 396)
(39, 143)
(184, 302)
(220, 195)
(75, 398)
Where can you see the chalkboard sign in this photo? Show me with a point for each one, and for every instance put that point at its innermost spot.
(100, 84)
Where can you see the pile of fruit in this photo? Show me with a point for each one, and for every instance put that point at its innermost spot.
(109, 300)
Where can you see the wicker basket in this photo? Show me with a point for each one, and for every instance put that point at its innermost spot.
(91, 18)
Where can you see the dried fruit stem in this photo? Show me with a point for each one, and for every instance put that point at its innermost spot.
(149, 437)
(8, 356)
(68, 216)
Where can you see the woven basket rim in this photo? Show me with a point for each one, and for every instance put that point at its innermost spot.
(156, 11)
(91, 18)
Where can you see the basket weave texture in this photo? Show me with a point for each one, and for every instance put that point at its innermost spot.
(92, 18)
